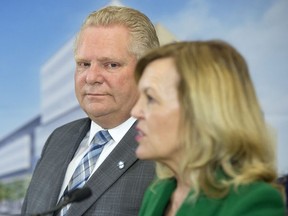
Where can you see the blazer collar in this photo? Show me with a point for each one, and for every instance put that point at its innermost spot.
(109, 172)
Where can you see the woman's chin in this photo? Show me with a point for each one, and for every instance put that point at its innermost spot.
(141, 154)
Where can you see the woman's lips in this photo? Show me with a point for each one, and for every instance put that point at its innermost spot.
(139, 135)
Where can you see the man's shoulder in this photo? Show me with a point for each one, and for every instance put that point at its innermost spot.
(72, 127)
(75, 123)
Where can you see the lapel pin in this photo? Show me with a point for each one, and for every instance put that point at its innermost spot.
(120, 164)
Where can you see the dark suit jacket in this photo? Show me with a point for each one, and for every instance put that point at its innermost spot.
(256, 199)
(115, 191)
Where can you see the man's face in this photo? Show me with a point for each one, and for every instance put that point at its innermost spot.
(104, 76)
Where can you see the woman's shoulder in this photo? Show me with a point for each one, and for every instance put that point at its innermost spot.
(255, 199)
(256, 188)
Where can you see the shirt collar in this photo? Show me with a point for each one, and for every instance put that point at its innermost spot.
(116, 133)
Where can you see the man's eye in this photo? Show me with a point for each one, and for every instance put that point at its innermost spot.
(112, 65)
(83, 64)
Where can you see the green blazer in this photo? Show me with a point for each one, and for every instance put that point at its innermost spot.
(257, 199)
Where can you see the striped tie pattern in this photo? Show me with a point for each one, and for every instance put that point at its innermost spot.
(87, 164)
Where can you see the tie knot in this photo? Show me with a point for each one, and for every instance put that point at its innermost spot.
(102, 137)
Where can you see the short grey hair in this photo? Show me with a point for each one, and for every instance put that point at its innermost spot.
(143, 33)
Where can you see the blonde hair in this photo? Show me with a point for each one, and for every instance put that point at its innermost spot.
(223, 132)
(143, 33)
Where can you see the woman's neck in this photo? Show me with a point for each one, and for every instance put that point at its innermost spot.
(177, 198)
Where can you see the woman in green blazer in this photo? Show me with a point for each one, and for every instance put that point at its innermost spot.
(200, 120)
(257, 199)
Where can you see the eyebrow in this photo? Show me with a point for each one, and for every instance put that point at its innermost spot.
(77, 58)
(105, 59)
(145, 90)
(149, 89)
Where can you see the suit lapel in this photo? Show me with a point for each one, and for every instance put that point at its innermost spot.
(67, 146)
(48, 176)
(109, 172)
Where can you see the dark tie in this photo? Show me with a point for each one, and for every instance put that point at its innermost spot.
(87, 164)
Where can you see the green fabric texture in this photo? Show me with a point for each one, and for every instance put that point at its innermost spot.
(256, 199)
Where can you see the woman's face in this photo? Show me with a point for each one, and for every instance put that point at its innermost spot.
(158, 113)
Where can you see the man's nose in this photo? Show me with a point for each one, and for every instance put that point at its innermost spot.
(94, 74)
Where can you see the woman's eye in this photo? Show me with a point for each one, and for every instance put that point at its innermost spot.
(150, 99)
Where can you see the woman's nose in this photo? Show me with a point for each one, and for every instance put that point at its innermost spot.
(137, 111)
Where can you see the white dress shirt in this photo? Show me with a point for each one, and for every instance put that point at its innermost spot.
(116, 133)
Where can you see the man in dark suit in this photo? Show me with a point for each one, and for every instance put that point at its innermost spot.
(107, 48)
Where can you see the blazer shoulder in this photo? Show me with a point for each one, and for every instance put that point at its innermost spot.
(75, 128)
(71, 127)
(258, 198)
(75, 123)
(258, 188)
